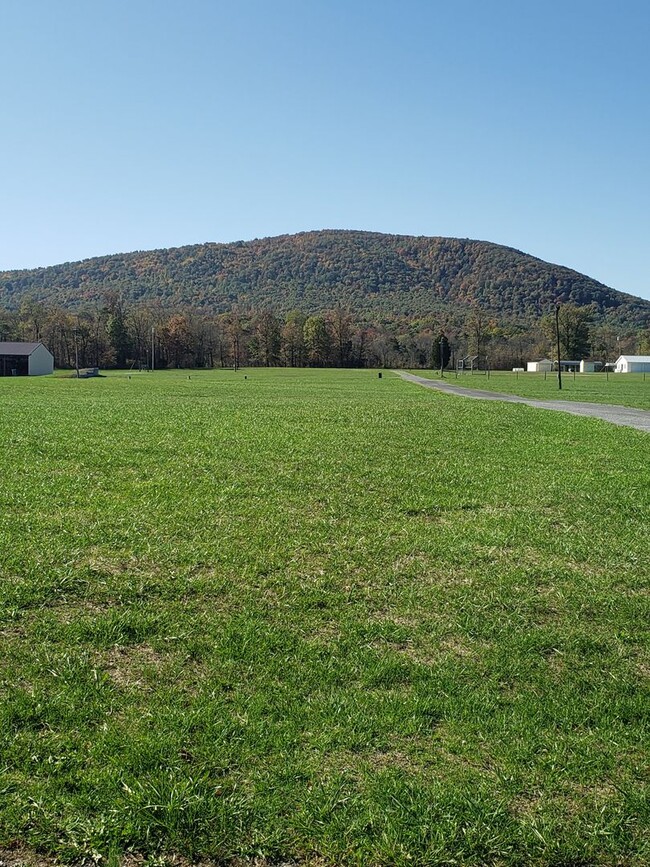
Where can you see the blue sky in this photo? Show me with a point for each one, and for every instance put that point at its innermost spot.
(133, 124)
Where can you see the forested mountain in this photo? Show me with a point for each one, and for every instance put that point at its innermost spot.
(318, 298)
(378, 277)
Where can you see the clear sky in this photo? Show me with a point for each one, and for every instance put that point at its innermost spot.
(138, 124)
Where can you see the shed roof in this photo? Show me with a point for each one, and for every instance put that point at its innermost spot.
(8, 348)
(645, 358)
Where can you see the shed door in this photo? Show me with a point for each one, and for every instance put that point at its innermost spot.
(9, 363)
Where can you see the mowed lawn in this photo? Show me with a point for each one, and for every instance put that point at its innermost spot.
(620, 389)
(322, 616)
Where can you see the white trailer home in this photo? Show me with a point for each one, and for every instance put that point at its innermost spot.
(543, 366)
(632, 364)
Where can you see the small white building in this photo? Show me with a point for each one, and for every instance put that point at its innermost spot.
(632, 364)
(590, 366)
(543, 366)
(25, 359)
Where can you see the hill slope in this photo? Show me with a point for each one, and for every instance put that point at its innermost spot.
(375, 274)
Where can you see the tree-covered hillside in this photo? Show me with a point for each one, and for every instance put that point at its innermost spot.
(378, 276)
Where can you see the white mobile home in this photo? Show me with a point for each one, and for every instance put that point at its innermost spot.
(590, 366)
(543, 366)
(25, 359)
(632, 364)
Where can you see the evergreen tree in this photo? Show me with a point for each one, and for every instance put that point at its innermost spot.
(440, 352)
(118, 336)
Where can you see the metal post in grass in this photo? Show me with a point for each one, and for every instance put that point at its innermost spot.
(557, 336)
(442, 356)
(153, 357)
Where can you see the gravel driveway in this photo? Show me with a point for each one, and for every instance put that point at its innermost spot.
(621, 415)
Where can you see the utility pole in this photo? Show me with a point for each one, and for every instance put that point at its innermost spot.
(442, 357)
(557, 337)
(76, 353)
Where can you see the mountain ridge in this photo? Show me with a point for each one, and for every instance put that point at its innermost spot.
(378, 275)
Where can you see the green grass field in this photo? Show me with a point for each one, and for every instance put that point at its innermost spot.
(322, 616)
(622, 389)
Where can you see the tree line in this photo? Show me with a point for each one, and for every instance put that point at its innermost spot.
(117, 334)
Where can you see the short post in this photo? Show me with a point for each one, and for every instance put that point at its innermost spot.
(442, 357)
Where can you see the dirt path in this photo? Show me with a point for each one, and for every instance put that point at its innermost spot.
(621, 415)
